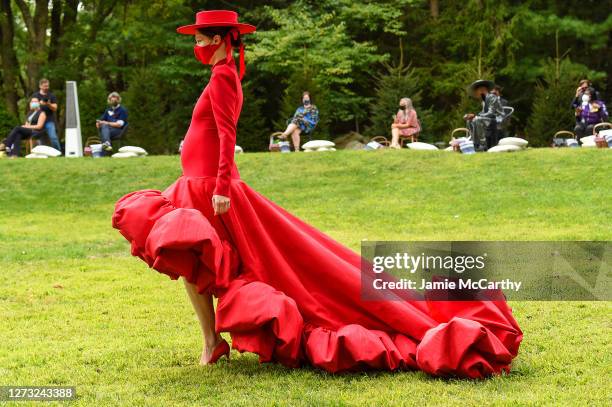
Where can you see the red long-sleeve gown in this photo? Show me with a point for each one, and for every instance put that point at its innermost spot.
(287, 291)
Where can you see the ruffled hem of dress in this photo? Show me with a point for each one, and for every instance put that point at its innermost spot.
(175, 241)
(274, 329)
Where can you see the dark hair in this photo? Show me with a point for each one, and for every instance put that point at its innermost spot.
(497, 88)
(210, 32)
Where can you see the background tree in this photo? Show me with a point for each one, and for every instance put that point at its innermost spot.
(396, 82)
(337, 49)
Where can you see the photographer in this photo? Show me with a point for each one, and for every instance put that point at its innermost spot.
(584, 86)
(48, 104)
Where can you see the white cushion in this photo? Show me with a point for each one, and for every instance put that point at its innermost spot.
(314, 144)
(503, 149)
(34, 155)
(450, 148)
(133, 149)
(570, 142)
(238, 150)
(309, 150)
(588, 140)
(513, 141)
(604, 133)
(326, 149)
(589, 144)
(417, 145)
(125, 155)
(373, 145)
(46, 150)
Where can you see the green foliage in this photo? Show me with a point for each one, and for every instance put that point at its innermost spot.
(551, 109)
(252, 131)
(396, 82)
(7, 122)
(315, 41)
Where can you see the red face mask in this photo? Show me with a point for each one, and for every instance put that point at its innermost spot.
(204, 54)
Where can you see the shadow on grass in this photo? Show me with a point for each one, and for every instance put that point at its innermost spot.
(246, 369)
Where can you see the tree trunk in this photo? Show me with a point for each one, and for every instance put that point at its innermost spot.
(37, 33)
(434, 9)
(10, 65)
(56, 30)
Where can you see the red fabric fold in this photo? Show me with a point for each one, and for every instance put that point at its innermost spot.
(272, 326)
(176, 241)
(462, 348)
(354, 347)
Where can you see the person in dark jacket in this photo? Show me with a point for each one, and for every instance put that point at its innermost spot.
(112, 122)
(483, 125)
(589, 113)
(35, 123)
(48, 103)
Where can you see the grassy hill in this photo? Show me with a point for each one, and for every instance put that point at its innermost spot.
(77, 309)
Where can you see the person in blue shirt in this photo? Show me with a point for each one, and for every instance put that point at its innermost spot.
(304, 120)
(111, 124)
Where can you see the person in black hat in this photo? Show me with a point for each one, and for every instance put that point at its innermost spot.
(483, 125)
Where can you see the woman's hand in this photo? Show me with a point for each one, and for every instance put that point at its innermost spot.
(221, 204)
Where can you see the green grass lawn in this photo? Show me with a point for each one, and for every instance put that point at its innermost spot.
(77, 309)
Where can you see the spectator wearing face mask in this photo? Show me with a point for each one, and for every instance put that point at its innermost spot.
(583, 86)
(35, 122)
(588, 114)
(110, 125)
(304, 120)
(405, 124)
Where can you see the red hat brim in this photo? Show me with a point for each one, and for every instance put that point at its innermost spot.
(191, 28)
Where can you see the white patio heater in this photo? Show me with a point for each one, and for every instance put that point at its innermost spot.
(74, 142)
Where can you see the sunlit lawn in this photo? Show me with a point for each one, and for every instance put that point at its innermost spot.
(77, 309)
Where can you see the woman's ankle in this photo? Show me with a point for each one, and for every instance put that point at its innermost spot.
(212, 341)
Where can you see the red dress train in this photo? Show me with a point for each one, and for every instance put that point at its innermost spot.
(287, 291)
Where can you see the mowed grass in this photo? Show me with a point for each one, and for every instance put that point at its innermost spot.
(77, 309)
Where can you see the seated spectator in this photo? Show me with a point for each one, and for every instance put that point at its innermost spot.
(35, 123)
(583, 86)
(112, 122)
(588, 114)
(48, 103)
(406, 123)
(304, 120)
(483, 126)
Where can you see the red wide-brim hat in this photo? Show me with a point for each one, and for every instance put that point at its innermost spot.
(216, 18)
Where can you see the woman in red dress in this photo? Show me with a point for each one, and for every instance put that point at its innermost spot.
(285, 290)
